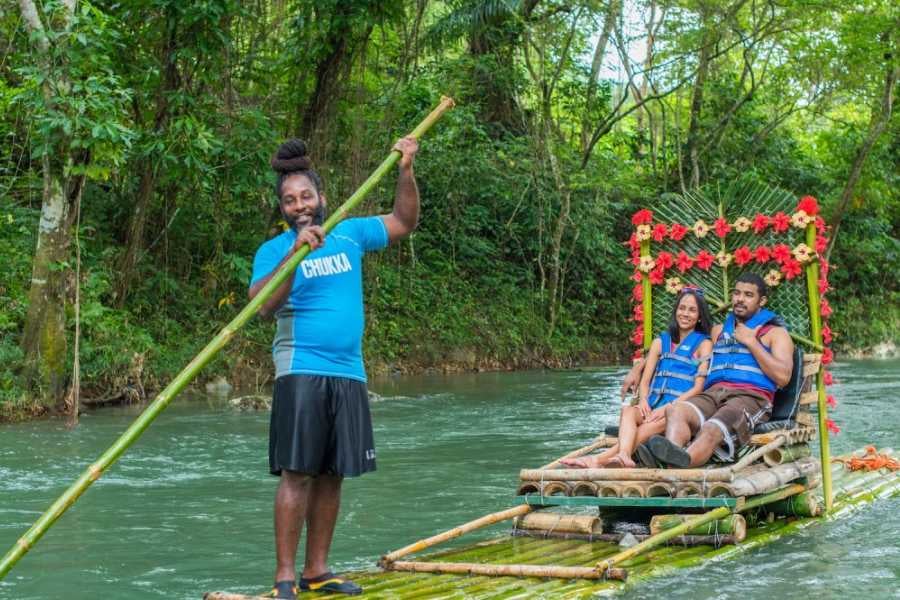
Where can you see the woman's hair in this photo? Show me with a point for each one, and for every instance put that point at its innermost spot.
(704, 321)
(292, 159)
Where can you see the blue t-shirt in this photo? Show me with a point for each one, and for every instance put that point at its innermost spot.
(320, 324)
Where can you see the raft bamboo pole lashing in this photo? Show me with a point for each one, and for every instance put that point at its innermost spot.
(815, 325)
(608, 565)
(484, 521)
(162, 400)
(786, 454)
(550, 521)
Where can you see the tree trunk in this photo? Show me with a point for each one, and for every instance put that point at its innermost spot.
(596, 64)
(693, 139)
(44, 336)
(881, 116)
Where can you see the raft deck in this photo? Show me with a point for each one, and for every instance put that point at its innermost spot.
(853, 490)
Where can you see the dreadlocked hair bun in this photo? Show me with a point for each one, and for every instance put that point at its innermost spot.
(291, 156)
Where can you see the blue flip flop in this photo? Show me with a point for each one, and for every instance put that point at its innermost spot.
(286, 590)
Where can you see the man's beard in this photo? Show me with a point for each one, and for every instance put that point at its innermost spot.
(318, 217)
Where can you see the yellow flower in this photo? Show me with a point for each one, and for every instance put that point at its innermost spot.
(742, 224)
(773, 278)
(643, 233)
(724, 258)
(647, 264)
(700, 228)
(803, 253)
(800, 219)
(674, 285)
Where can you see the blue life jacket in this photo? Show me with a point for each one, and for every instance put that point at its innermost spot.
(732, 361)
(676, 370)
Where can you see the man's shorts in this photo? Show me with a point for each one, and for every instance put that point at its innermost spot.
(320, 425)
(735, 411)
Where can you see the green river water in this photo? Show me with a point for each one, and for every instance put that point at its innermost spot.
(188, 508)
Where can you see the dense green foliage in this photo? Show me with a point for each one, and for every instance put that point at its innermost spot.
(170, 110)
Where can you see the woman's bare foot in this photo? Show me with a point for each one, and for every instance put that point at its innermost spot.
(586, 462)
(620, 461)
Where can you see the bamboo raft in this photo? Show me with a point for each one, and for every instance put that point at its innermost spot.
(509, 565)
(688, 516)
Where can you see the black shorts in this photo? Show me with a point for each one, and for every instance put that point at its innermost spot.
(320, 425)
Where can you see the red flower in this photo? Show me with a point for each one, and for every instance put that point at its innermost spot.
(636, 258)
(677, 231)
(808, 205)
(828, 377)
(825, 308)
(743, 255)
(832, 403)
(664, 260)
(823, 286)
(657, 275)
(642, 217)
(637, 293)
(781, 253)
(832, 427)
(762, 254)
(638, 312)
(791, 268)
(684, 262)
(722, 227)
(827, 356)
(659, 232)
(824, 267)
(820, 225)
(637, 354)
(826, 334)
(781, 222)
(637, 336)
(636, 276)
(821, 243)
(633, 243)
(760, 222)
(705, 260)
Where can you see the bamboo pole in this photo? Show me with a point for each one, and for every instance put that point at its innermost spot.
(549, 521)
(815, 324)
(647, 300)
(780, 456)
(484, 521)
(601, 442)
(162, 400)
(585, 488)
(506, 570)
(733, 524)
(615, 538)
(801, 505)
(773, 478)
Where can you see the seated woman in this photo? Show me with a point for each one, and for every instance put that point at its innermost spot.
(675, 370)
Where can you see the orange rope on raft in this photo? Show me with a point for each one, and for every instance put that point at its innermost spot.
(872, 460)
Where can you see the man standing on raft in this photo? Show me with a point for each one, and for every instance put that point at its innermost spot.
(320, 429)
(752, 358)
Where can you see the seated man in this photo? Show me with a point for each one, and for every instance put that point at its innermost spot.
(752, 358)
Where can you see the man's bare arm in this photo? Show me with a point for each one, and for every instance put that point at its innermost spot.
(777, 365)
(405, 216)
(312, 235)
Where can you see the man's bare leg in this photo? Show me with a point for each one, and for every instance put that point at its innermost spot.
(682, 422)
(324, 505)
(702, 448)
(290, 512)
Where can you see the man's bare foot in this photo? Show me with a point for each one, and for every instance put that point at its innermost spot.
(586, 462)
